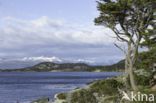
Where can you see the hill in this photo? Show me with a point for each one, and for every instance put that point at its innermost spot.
(69, 67)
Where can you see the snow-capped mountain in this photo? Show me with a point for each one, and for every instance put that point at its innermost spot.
(30, 61)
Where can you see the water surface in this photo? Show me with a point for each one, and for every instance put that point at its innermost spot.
(28, 86)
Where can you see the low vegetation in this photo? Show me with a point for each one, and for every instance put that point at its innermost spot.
(107, 91)
(42, 100)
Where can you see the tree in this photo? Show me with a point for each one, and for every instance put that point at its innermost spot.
(150, 39)
(131, 21)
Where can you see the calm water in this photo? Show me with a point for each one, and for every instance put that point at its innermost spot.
(28, 86)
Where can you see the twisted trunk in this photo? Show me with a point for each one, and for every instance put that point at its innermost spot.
(131, 57)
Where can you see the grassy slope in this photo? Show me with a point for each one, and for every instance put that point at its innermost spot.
(102, 91)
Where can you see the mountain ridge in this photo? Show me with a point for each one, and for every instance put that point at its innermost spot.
(68, 67)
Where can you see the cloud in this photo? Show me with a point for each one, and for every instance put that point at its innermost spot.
(17, 32)
(46, 22)
(42, 59)
(44, 37)
(85, 61)
(55, 59)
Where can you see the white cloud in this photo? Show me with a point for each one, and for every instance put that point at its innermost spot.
(85, 61)
(49, 37)
(46, 22)
(55, 59)
(42, 59)
(16, 33)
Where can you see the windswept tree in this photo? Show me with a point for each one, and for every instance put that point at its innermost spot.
(132, 21)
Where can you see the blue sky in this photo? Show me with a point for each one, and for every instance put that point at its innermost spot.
(81, 11)
(54, 30)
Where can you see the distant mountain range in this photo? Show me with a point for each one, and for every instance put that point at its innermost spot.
(51, 67)
(14, 63)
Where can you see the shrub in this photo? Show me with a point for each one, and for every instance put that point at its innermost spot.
(61, 96)
(108, 86)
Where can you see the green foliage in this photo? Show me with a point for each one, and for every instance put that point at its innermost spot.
(143, 80)
(83, 96)
(145, 63)
(110, 13)
(147, 59)
(123, 12)
(117, 67)
(108, 86)
(61, 96)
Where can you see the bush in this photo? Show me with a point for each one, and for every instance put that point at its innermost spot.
(108, 86)
(143, 77)
(61, 96)
(83, 96)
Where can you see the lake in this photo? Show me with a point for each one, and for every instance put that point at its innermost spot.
(28, 86)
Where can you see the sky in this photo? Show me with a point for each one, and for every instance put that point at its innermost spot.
(54, 30)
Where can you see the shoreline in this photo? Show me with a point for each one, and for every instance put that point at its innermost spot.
(78, 80)
(57, 99)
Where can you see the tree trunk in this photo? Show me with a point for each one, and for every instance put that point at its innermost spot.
(130, 57)
(126, 81)
(132, 78)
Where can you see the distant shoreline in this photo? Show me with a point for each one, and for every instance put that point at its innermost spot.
(69, 67)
